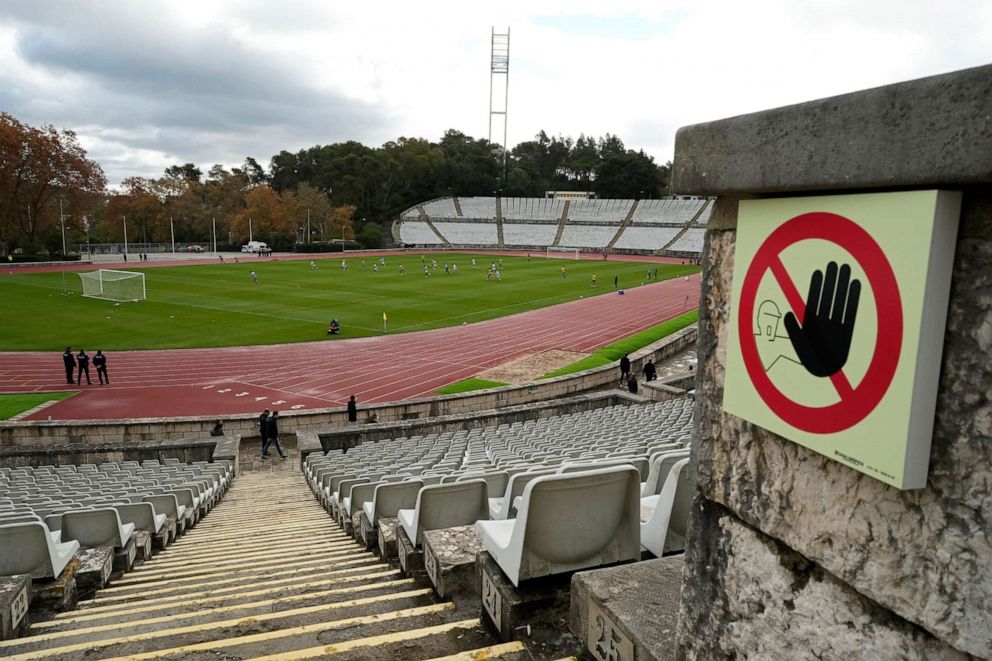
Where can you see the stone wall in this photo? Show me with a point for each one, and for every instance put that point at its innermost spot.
(186, 451)
(792, 555)
(152, 430)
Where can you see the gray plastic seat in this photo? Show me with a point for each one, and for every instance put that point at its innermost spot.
(28, 548)
(568, 522)
(503, 507)
(445, 506)
(96, 527)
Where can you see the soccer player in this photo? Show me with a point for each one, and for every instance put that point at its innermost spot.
(427, 271)
(446, 270)
(382, 261)
(344, 265)
(363, 263)
(473, 262)
(313, 265)
(595, 282)
(499, 276)
(454, 268)
(562, 271)
(375, 267)
(402, 270)
(253, 276)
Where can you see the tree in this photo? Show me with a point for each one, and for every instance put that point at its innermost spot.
(37, 167)
(267, 211)
(186, 172)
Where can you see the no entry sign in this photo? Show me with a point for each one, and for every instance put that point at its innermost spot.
(839, 305)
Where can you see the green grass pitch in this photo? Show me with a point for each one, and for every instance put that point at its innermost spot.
(218, 305)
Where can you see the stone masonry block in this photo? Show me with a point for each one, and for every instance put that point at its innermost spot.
(921, 553)
(746, 596)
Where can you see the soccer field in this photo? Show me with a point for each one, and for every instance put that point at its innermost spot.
(218, 305)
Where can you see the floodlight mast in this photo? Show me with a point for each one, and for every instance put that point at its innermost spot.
(499, 71)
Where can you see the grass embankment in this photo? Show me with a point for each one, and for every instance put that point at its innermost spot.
(11, 405)
(612, 353)
(468, 385)
(218, 305)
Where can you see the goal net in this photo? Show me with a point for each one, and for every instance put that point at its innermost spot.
(114, 285)
(558, 252)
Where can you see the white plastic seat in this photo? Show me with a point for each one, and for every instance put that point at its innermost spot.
(568, 522)
(445, 506)
(503, 506)
(28, 548)
(661, 464)
(668, 511)
(389, 499)
(97, 527)
(167, 504)
(142, 515)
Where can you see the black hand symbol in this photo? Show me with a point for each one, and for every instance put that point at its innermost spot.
(824, 340)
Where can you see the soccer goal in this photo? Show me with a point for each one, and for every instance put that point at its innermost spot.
(558, 252)
(114, 285)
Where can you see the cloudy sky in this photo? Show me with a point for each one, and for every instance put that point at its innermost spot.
(150, 83)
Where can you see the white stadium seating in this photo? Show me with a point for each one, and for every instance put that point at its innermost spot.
(48, 513)
(587, 236)
(464, 477)
(529, 234)
(691, 241)
(533, 222)
(567, 522)
(531, 208)
(417, 232)
(651, 238)
(467, 233)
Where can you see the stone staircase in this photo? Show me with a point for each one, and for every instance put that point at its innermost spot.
(458, 206)
(628, 219)
(561, 223)
(427, 219)
(499, 223)
(686, 227)
(266, 575)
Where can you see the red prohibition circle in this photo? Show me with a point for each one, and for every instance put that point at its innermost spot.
(856, 403)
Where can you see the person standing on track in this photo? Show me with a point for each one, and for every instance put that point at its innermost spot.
(263, 429)
(84, 368)
(100, 363)
(624, 368)
(272, 435)
(70, 366)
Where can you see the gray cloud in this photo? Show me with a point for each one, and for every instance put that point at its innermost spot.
(147, 83)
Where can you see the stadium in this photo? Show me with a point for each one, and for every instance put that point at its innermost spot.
(747, 418)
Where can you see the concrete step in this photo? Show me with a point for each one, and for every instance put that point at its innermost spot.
(267, 574)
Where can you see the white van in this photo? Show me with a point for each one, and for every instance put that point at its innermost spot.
(255, 247)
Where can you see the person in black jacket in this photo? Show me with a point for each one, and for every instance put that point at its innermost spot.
(632, 383)
(263, 430)
(70, 366)
(352, 410)
(624, 369)
(272, 435)
(84, 368)
(100, 363)
(649, 371)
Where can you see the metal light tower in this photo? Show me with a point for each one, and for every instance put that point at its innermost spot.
(499, 71)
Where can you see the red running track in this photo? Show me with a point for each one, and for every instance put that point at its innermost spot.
(235, 380)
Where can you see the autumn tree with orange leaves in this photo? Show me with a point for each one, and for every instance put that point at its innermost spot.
(38, 167)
